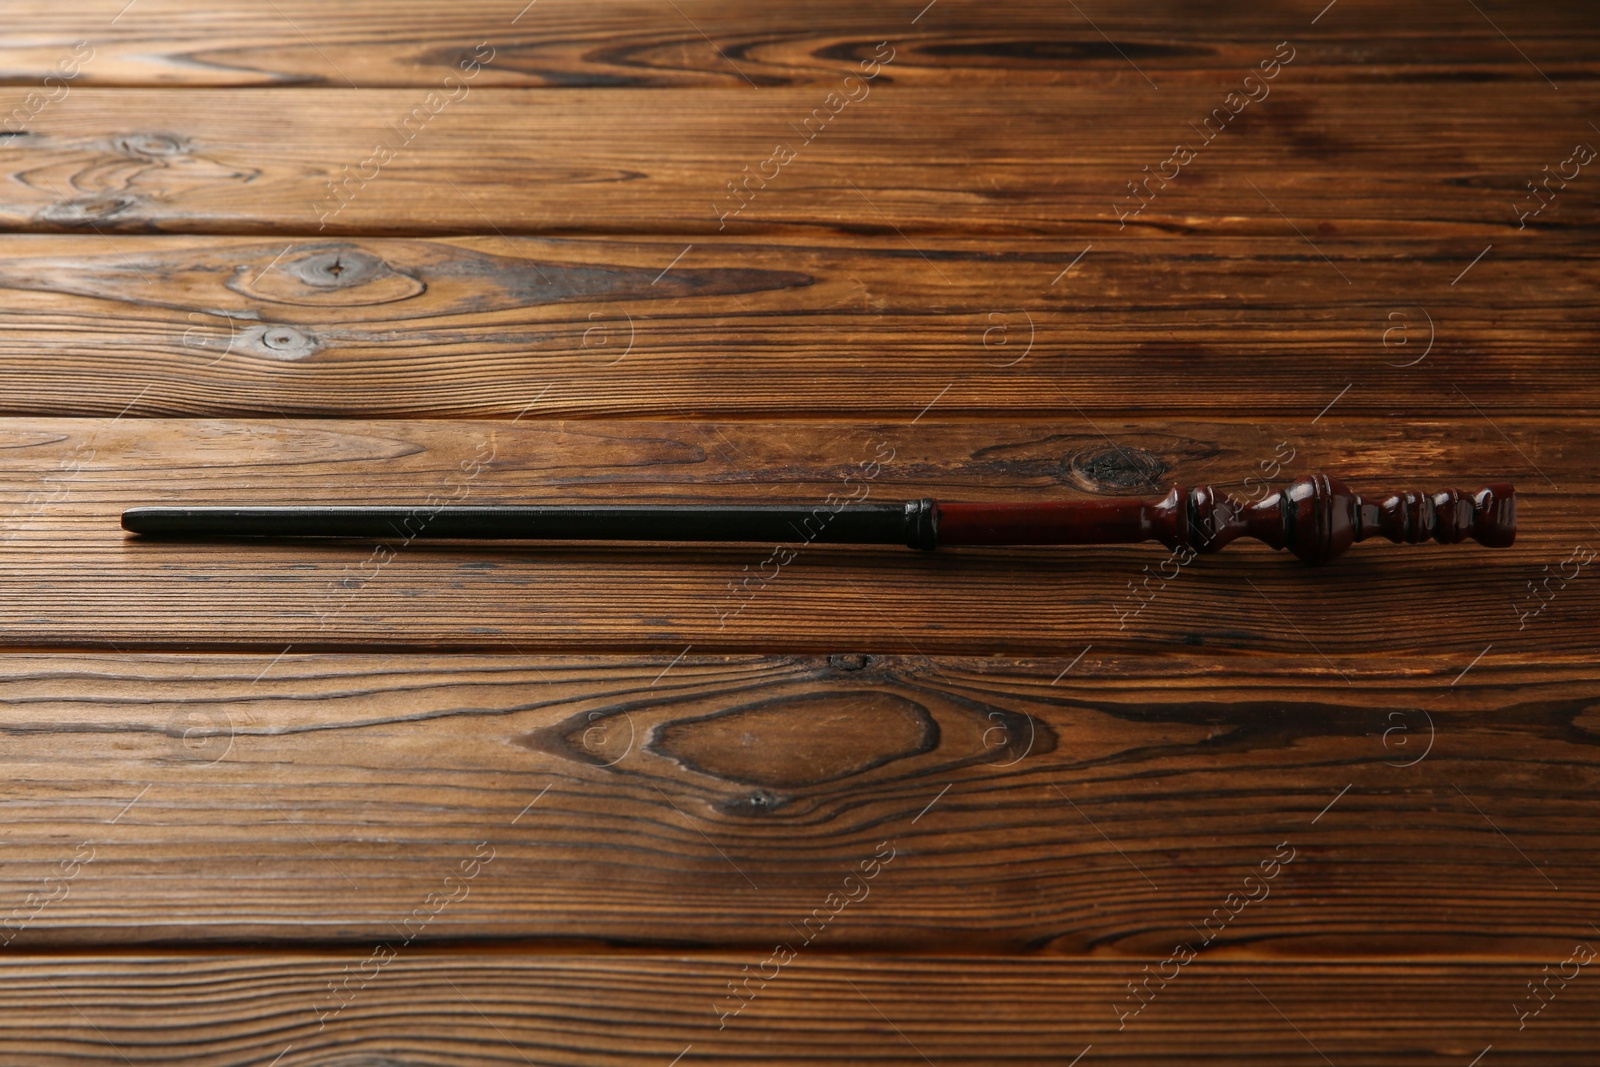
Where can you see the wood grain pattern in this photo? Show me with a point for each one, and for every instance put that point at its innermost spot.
(76, 578)
(1350, 162)
(787, 327)
(484, 1009)
(290, 805)
(1099, 805)
(569, 43)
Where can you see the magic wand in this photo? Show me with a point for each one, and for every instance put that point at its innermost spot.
(1316, 518)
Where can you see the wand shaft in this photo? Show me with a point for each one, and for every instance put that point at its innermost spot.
(854, 523)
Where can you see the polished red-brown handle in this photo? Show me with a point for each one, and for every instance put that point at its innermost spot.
(1316, 518)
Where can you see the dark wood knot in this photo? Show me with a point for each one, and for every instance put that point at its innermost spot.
(1115, 469)
(760, 802)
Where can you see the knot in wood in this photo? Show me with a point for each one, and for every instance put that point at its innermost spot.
(151, 146)
(325, 275)
(88, 209)
(798, 740)
(1115, 469)
(280, 342)
(336, 268)
(759, 802)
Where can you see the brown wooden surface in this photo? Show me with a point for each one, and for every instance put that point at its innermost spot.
(484, 1009)
(1067, 806)
(238, 775)
(792, 326)
(636, 43)
(1340, 165)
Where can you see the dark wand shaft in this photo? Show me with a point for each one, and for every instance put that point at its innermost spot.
(1316, 518)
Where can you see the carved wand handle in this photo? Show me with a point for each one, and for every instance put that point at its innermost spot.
(1316, 518)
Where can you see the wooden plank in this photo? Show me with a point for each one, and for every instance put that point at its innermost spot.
(566, 43)
(1328, 164)
(789, 327)
(73, 577)
(1092, 804)
(484, 1009)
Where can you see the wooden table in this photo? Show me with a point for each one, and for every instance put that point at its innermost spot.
(423, 804)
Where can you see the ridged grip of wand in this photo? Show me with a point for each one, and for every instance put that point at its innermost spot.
(1317, 518)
